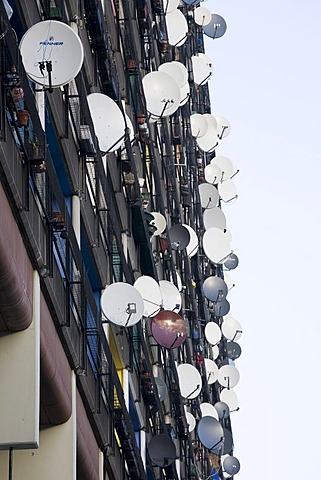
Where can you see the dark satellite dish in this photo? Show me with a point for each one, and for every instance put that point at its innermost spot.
(231, 262)
(233, 350)
(210, 433)
(216, 28)
(179, 237)
(161, 389)
(162, 450)
(222, 409)
(215, 289)
(227, 444)
(221, 308)
(169, 329)
(231, 465)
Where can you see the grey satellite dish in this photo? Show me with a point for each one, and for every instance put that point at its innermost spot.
(220, 309)
(179, 237)
(192, 246)
(216, 245)
(211, 370)
(222, 409)
(190, 380)
(161, 389)
(151, 293)
(231, 465)
(209, 195)
(172, 299)
(212, 333)
(210, 433)
(216, 28)
(227, 445)
(229, 396)
(52, 53)
(233, 350)
(108, 120)
(228, 376)
(214, 217)
(231, 261)
(162, 450)
(122, 304)
(215, 289)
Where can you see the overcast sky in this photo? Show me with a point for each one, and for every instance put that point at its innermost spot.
(267, 82)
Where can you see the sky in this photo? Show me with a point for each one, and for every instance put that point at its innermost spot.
(267, 82)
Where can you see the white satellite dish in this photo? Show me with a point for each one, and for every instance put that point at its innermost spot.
(185, 94)
(190, 381)
(231, 328)
(151, 293)
(213, 333)
(177, 28)
(214, 217)
(191, 421)
(213, 174)
(122, 304)
(225, 165)
(228, 376)
(176, 70)
(211, 370)
(170, 5)
(172, 299)
(215, 352)
(208, 410)
(54, 46)
(229, 396)
(216, 245)
(227, 191)
(209, 195)
(223, 126)
(108, 120)
(202, 16)
(192, 246)
(210, 140)
(159, 222)
(229, 281)
(199, 125)
(202, 68)
(162, 94)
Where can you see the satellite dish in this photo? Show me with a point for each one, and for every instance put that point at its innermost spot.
(130, 130)
(220, 309)
(231, 328)
(54, 46)
(192, 246)
(215, 352)
(190, 381)
(210, 433)
(209, 195)
(185, 94)
(179, 237)
(233, 350)
(216, 246)
(169, 329)
(231, 465)
(151, 293)
(170, 5)
(213, 333)
(231, 262)
(208, 410)
(191, 422)
(177, 28)
(216, 28)
(225, 165)
(228, 280)
(222, 409)
(213, 174)
(161, 389)
(122, 304)
(228, 376)
(215, 289)
(199, 125)
(214, 217)
(227, 446)
(159, 222)
(171, 297)
(229, 396)
(223, 126)
(176, 70)
(211, 371)
(162, 450)
(108, 120)
(202, 68)
(178, 280)
(162, 94)
(210, 140)
(227, 191)
(202, 16)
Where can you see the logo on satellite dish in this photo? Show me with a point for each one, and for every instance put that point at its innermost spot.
(51, 41)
